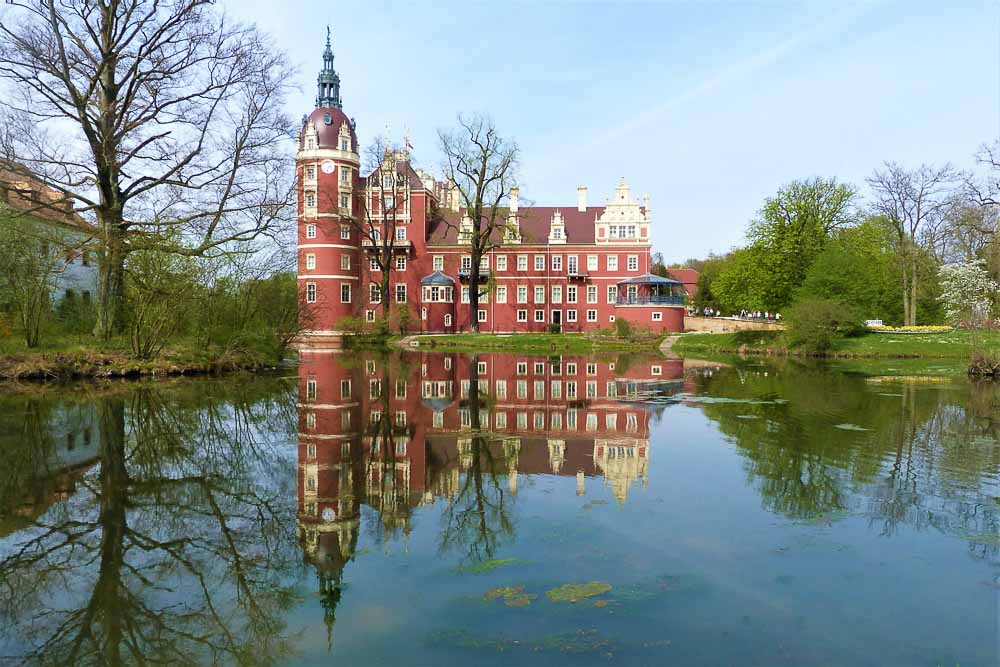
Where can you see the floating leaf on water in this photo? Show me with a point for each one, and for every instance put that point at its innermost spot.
(598, 502)
(850, 427)
(577, 592)
(601, 603)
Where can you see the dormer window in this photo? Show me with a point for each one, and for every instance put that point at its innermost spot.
(345, 144)
(310, 142)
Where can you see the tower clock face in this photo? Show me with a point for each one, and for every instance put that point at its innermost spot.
(329, 514)
(328, 166)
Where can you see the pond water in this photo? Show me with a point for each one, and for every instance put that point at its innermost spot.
(436, 509)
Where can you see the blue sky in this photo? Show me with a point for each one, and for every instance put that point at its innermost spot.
(707, 106)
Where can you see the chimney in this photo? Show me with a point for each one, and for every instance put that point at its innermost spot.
(645, 203)
(581, 198)
(513, 199)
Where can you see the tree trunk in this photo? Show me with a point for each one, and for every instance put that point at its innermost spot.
(913, 290)
(474, 292)
(111, 284)
(906, 294)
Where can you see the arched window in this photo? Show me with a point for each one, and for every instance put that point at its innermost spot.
(423, 313)
(447, 319)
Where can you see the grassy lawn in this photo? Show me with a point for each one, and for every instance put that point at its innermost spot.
(952, 345)
(539, 342)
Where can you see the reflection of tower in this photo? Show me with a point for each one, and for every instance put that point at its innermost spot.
(329, 471)
(557, 454)
(511, 450)
(622, 461)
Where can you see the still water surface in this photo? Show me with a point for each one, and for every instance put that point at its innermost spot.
(432, 509)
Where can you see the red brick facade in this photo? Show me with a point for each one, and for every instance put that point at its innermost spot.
(564, 265)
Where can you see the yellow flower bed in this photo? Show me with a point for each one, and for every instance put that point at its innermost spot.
(913, 330)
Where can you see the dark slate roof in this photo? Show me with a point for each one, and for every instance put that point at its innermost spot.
(649, 279)
(437, 278)
(534, 222)
(328, 134)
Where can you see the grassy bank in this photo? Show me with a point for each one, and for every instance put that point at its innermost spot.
(542, 343)
(952, 345)
(68, 359)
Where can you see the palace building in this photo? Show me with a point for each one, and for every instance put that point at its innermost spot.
(580, 267)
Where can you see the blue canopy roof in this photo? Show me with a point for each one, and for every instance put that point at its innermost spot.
(649, 279)
(437, 278)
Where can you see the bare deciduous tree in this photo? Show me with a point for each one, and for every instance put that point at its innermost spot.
(161, 121)
(481, 166)
(382, 207)
(911, 201)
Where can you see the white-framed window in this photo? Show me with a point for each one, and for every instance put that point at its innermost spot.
(522, 294)
(570, 368)
(522, 389)
(591, 369)
(591, 293)
(591, 389)
(311, 199)
(501, 294)
(310, 262)
(656, 370)
(539, 294)
(373, 264)
(400, 293)
(571, 316)
(539, 368)
(401, 262)
(400, 233)
(345, 233)
(310, 292)
(657, 316)
(522, 262)
(481, 367)
(501, 263)
(591, 315)
(612, 293)
(556, 294)
(572, 265)
(438, 262)
(370, 315)
(484, 263)
(591, 262)
(522, 316)
(345, 388)
(522, 421)
(310, 231)
(611, 318)
(345, 262)
(465, 294)
(633, 262)
(501, 390)
(612, 262)
(571, 294)
(311, 172)
(345, 203)
(482, 315)
(374, 293)
(522, 368)
(345, 293)
(501, 419)
(311, 424)
(311, 389)
(447, 319)
(345, 174)
(539, 262)
(556, 263)
(538, 391)
(571, 390)
(539, 315)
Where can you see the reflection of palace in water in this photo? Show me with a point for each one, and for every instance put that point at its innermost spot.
(399, 437)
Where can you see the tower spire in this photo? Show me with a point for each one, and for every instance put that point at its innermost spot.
(328, 83)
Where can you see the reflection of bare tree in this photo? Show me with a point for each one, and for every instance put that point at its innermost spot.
(477, 517)
(174, 549)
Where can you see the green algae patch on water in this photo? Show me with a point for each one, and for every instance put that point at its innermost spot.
(488, 566)
(513, 596)
(576, 592)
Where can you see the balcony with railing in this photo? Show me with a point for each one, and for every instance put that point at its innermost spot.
(465, 273)
(650, 300)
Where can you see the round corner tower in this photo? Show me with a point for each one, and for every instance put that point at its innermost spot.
(328, 186)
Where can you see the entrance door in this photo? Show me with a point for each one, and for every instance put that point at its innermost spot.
(556, 317)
